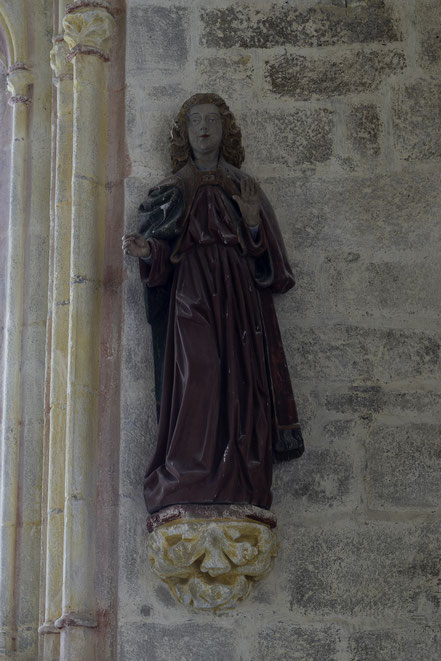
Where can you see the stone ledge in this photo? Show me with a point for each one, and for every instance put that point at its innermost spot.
(228, 511)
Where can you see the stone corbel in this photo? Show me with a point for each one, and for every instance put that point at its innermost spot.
(209, 555)
(61, 66)
(18, 80)
(87, 27)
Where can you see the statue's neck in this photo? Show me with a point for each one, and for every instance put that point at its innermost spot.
(205, 162)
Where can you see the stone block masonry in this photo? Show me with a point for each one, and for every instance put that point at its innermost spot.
(339, 105)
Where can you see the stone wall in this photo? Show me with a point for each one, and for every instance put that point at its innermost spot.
(340, 106)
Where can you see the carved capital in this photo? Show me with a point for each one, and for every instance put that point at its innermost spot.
(61, 66)
(87, 29)
(18, 80)
(211, 564)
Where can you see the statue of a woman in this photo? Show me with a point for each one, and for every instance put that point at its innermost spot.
(211, 257)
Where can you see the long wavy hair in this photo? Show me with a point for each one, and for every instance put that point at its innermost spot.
(231, 146)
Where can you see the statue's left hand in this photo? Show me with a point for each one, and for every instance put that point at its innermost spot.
(248, 201)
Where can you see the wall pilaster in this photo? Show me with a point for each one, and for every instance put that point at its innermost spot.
(62, 79)
(19, 79)
(88, 27)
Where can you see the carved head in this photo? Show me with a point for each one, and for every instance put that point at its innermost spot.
(231, 145)
(211, 564)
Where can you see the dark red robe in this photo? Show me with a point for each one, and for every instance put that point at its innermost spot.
(226, 401)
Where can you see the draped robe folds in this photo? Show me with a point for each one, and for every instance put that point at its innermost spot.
(222, 384)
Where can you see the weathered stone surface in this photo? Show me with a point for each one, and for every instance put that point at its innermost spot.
(365, 129)
(134, 585)
(285, 642)
(289, 138)
(341, 432)
(325, 24)
(374, 569)
(211, 74)
(344, 283)
(320, 478)
(402, 644)
(404, 466)
(416, 108)
(348, 284)
(427, 16)
(211, 564)
(375, 399)
(147, 137)
(303, 77)
(345, 353)
(394, 211)
(177, 641)
(157, 38)
(307, 403)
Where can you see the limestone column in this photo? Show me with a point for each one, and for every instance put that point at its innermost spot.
(87, 26)
(19, 78)
(63, 76)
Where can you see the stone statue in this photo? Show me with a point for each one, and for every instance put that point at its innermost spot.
(211, 257)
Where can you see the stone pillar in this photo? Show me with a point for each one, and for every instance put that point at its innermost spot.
(87, 25)
(59, 348)
(19, 78)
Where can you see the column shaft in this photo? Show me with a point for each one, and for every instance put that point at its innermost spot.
(58, 364)
(11, 426)
(86, 274)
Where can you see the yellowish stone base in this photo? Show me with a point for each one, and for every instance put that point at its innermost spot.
(211, 563)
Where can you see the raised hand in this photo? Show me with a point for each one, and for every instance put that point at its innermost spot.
(135, 245)
(248, 201)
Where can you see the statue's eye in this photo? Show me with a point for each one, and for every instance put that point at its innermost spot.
(195, 120)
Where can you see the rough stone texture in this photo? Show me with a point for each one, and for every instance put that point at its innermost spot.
(415, 114)
(376, 399)
(364, 128)
(177, 642)
(323, 479)
(380, 212)
(389, 288)
(352, 353)
(289, 138)
(325, 24)
(158, 38)
(404, 466)
(374, 569)
(303, 77)
(241, 73)
(402, 644)
(290, 643)
(427, 18)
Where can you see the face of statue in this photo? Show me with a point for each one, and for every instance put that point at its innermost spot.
(204, 126)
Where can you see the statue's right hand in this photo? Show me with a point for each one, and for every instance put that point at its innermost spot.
(135, 245)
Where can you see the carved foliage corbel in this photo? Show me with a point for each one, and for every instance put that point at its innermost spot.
(18, 80)
(87, 28)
